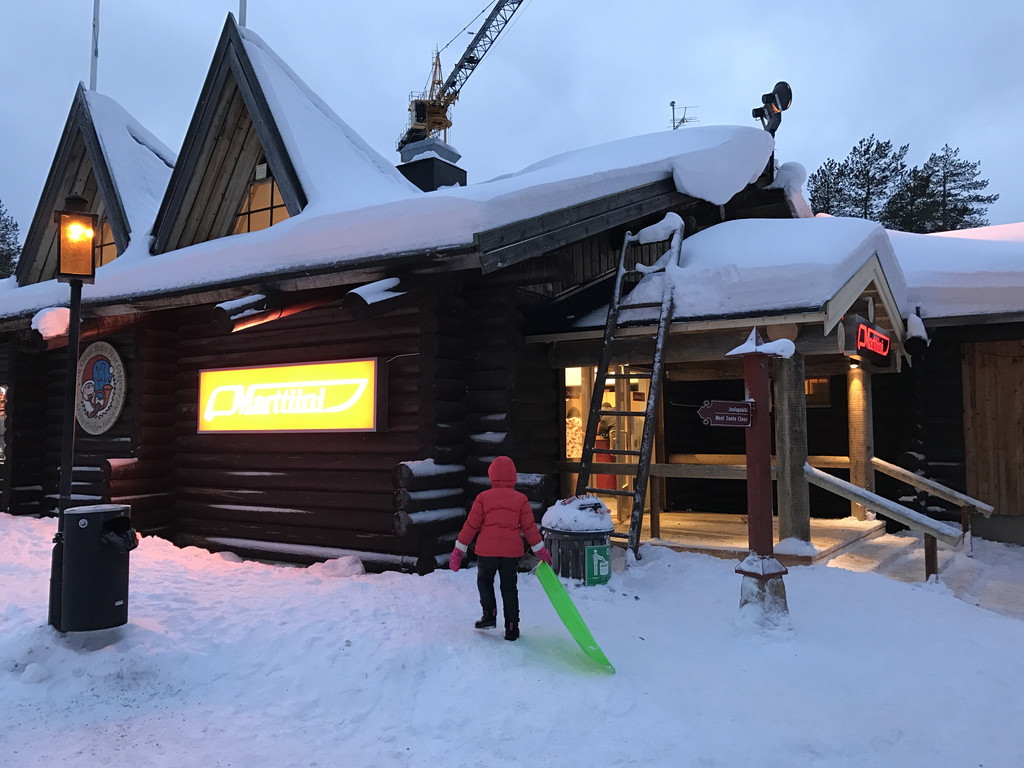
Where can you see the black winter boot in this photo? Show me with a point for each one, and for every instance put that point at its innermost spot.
(488, 621)
(511, 630)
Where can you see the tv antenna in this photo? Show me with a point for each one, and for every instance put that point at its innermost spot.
(682, 120)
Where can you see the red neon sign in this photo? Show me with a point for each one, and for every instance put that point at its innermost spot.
(871, 340)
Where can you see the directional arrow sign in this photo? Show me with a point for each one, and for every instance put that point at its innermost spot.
(725, 413)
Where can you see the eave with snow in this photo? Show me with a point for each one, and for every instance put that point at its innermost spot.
(794, 278)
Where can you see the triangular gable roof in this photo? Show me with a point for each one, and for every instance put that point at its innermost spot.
(250, 93)
(337, 168)
(111, 160)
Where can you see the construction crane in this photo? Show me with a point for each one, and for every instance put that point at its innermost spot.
(428, 111)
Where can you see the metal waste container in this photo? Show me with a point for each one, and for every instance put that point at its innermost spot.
(577, 532)
(89, 578)
(583, 555)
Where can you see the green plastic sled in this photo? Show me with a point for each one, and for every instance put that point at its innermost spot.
(570, 616)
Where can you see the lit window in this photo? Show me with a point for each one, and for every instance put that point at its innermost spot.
(818, 392)
(105, 250)
(263, 205)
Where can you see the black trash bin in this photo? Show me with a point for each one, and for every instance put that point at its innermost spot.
(89, 580)
(569, 551)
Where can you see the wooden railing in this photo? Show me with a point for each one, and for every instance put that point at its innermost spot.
(720, 466)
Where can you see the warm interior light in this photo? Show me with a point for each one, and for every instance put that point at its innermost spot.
(78, 232)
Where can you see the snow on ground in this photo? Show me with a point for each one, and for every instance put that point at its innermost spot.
(228, 663)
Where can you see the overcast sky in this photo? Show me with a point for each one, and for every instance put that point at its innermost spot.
(563, 74)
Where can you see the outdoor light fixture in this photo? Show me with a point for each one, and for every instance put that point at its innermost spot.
(75, 242)
(773, 105)
(854, 364)
(75, 265)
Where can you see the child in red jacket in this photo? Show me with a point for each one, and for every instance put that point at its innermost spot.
(501, 516)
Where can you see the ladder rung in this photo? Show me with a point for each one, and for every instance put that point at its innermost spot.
(610, 491)
(637, 375)
(617, 451)
(617, 535)
(637, 414)
(640, 305)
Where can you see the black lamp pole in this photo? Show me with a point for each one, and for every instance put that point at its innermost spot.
(76, 228)
(67, 452)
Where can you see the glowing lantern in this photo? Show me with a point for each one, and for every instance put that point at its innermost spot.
(75, 250)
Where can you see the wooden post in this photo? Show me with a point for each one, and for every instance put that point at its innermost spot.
(791, 449)
(759, 455)
(862, 437)
(762, 587)
(931, 556)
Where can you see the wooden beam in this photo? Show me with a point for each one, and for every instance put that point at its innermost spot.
(96, 328)
(862, 435)
(533, 237)
(794, 505)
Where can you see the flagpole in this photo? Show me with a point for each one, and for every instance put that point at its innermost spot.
(95, 43)
(241, 12)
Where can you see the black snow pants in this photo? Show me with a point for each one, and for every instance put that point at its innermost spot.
(506, 568)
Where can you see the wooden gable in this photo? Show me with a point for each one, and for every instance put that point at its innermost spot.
(79, 168)
(231, 127)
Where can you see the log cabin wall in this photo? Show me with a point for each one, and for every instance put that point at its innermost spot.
(36, 399)
(144, 478)
(257, 492)
(965, 394)
(5, 465)
(514, 399)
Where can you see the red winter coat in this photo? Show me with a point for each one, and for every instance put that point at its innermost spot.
(499, 515)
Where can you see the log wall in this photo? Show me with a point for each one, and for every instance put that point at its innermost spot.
(36, 408)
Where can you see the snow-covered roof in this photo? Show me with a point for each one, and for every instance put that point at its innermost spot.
(711, 163)
(965, 273)
(129, 165)
(139, 163)
(337, 168)
(773, 266)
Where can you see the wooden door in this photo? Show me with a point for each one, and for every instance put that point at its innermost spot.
(993, 379)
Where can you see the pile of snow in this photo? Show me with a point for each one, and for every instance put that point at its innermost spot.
(578, 514)
(239, 663)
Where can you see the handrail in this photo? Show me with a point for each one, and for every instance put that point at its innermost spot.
(935, 489)
(909, 517)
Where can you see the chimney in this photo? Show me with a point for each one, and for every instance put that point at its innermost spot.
(431, 164)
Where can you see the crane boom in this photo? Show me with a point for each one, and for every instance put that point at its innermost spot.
(428, 111)
(482, 41)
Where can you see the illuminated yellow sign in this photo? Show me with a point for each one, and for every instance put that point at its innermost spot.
(313, 397)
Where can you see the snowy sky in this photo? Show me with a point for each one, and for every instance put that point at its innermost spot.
(918, 72)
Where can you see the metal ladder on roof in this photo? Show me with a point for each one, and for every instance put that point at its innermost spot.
(614, 331)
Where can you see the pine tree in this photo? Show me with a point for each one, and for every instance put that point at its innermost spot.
(871, 172)
(9, 247)
(827, 190)
(913, 206)
(957, 189)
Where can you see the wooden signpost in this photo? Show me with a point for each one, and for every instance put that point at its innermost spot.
(762, 573)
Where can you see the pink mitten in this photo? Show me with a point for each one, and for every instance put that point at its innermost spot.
(456, 562)
(544, 555)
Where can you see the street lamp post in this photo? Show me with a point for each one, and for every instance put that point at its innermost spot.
(76, 229)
